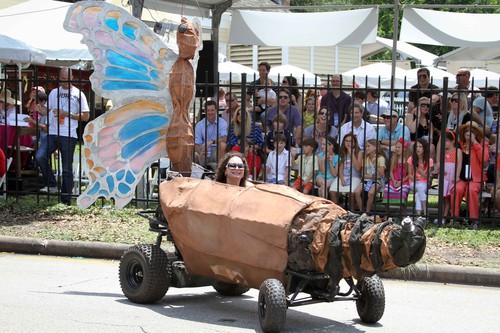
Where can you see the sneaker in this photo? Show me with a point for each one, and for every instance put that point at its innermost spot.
(48, 189)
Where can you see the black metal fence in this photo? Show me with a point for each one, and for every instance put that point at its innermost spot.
(23, 177)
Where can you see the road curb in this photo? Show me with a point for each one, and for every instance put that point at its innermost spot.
(420, 272)
(62, 248)
(447, 274)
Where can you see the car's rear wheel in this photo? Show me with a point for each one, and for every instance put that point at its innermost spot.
(230, 289)
(144, 273)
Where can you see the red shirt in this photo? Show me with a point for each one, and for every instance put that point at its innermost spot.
(2, 163)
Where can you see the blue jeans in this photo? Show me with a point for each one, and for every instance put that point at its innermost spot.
(66, 147)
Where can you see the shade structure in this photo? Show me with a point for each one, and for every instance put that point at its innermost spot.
(303, 76)
(437, 76)
(406, 50)
(434, 27)
(304, 29)
(471, 53)
(371, 75)
(13, 51)
(233, 70)
(39, 23)
(482, 78)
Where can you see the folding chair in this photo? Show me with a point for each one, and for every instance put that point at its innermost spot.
(3, 183)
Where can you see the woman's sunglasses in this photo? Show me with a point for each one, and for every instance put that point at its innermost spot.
(235, 166)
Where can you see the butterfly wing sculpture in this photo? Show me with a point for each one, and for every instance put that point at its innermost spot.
(131, 67)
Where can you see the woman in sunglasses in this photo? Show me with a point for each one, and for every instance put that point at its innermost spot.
(419, 123)
(322, 128)
(233, 170)
(459, 113)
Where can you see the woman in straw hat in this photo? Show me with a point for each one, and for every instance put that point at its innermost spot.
(7, 105)
(475, 157)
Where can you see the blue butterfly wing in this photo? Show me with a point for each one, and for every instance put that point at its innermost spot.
(131, 67)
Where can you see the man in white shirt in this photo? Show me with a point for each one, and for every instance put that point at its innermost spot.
(66, 106)
(363, 130)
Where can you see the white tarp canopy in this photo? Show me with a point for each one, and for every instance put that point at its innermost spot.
(277, 73)
(39, 23)
(15, 52)
(353, 27)
(433, 27)
(235, 70)
(471, 54)
(403, 48)
(370, 75)
(481, 78)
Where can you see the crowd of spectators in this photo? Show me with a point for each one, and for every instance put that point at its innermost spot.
(358, 150)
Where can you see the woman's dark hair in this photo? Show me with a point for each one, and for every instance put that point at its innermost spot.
(343, 152)
(425, 155)
(220, 174)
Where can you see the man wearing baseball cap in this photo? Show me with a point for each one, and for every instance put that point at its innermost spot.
(389, 134)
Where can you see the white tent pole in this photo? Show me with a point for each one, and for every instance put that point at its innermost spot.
(20, 84)
(395, 34)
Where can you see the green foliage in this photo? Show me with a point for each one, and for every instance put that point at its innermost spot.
(464, 236)
(29, 217)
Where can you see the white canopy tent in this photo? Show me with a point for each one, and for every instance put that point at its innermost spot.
(371, 74)
(481, 78)
(304, 29)
(13, 51)
(39, 23)
(407, 50)
(234, 70)
(471, 53)
(310, 79)
(432, 27)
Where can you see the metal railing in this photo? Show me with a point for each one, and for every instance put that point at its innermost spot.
(145, 193)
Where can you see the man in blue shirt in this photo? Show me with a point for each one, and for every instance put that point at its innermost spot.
(389, 134)
(210, 136)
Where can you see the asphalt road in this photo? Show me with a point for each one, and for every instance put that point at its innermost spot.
(56, 294)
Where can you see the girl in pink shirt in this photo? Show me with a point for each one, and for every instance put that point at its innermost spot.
(420, 163)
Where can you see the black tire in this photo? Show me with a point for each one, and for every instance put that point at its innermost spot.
(371, 303)
(230, 289)
(272, 306)
(144, 273)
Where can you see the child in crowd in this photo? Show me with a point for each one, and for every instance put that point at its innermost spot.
(373, 173)
(308, 166)
(270, 93)
(278, 163)
(349, 167)
(309, 114)
(420, 164)
(452, 167)
(328, 165)
(279, 125)
(398, 187)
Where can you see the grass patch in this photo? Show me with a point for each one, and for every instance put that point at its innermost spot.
(29, 217)
(461, 235)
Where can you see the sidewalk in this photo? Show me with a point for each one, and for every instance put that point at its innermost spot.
(428, 273)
